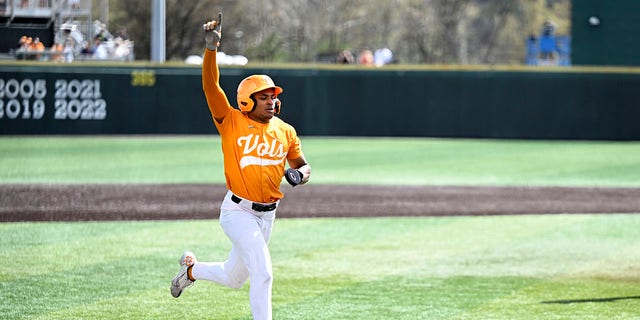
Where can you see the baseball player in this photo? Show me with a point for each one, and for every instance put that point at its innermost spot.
(256, 146)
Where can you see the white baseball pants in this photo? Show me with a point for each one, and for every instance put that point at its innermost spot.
(249, 232)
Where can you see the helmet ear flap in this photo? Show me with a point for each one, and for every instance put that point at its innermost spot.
(277, 105)
(246, 105)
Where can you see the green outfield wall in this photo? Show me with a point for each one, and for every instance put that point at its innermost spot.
(605, 32)
(471, 102)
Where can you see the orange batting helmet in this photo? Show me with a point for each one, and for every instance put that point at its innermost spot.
(251, 85)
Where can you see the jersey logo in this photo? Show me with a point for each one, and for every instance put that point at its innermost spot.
(257, 150)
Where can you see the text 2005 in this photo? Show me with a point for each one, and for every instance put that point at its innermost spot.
(22, 99)
(79, 99)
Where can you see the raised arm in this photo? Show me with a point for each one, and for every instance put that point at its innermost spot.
(216, 99)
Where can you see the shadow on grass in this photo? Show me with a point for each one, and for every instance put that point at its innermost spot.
(612, 299)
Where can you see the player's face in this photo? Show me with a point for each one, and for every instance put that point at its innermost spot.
(265, 107)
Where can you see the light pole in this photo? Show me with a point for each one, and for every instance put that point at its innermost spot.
(158, 32)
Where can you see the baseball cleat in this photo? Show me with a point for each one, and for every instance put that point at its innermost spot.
(188, 259)
(181, 281)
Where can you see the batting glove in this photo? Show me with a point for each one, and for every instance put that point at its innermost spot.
(213, 33)
(293, 176)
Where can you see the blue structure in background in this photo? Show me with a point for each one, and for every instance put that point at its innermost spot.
(560, 47)
(563, 45)
(532, 51)
(548, 49)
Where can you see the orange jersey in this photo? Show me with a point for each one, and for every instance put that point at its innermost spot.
(254, 153)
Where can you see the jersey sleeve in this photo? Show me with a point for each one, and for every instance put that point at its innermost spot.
(216, 99)
(295, 146)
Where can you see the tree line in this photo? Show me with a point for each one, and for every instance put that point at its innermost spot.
(417, 31)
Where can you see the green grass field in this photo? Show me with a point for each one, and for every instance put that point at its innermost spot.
(334, 160)
(499, 267)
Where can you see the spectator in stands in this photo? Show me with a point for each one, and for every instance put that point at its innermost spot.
(57, 52)
(345, 57)
(26, 49)
(548, 42)
(87, 50)
(100, 30)
(382, 56)
(123, 34)
(36, 48)
(365, 57)
(69, 50)
(22, 43)
(121, 50)
(21, 48)
(100, 49)
(35, 44)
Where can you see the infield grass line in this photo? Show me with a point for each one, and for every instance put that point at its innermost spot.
(198, 159)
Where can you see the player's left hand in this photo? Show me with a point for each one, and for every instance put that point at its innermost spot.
(293, 176)
(213, 33)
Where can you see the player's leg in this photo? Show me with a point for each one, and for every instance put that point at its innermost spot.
(257, 258)
(232, 272)
(250, 235)
(249, 257)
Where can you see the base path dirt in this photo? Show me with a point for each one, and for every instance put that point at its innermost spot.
(98, 202)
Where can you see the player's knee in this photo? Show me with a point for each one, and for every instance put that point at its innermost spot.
(263, 276)
(236, 284)
(237, 280)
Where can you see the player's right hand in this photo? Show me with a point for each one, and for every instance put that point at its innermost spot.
(293, 176)
(213, 33)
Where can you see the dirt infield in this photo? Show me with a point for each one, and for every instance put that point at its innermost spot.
(201, 201)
